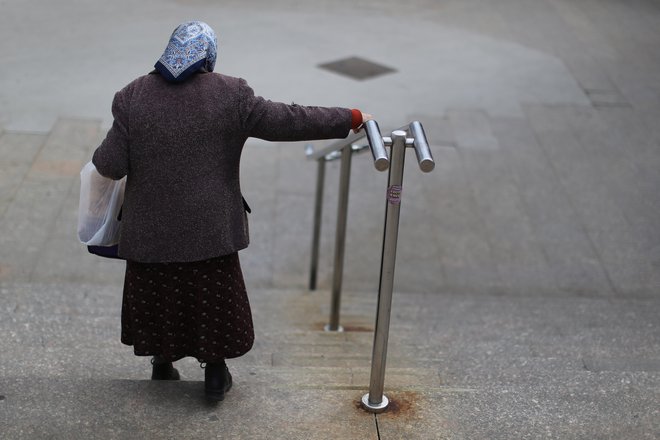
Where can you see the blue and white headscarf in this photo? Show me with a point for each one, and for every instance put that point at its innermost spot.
(193, 46)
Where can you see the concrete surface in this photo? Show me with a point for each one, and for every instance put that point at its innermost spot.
(528, 273)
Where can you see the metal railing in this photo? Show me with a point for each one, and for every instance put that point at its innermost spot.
(343, 149)
(409, 136)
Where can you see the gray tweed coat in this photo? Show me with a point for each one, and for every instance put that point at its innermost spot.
(180, 146)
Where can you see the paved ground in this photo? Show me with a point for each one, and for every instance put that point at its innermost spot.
(528, 273)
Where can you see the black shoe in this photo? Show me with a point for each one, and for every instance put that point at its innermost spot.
(163, 370)
(217, 381)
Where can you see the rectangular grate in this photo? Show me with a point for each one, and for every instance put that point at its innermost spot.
(357, 68)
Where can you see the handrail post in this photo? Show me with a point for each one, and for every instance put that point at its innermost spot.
(316, 234)
(340, 240)
(375, 401)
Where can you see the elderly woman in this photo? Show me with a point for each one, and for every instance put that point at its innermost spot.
(178, 134)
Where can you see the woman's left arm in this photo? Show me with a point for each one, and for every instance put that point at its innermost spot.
(111, 157)
(276, 121)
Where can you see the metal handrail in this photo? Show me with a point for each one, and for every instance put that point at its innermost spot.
(334, 151)
(333, 147)
(371, 132)
(381, 162)
(409, 136)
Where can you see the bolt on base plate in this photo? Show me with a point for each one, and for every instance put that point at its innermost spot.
(374, 408)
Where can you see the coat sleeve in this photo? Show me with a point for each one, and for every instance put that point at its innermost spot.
(111, 157)
(276, 121)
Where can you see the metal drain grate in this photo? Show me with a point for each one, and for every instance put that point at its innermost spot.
(357, 68)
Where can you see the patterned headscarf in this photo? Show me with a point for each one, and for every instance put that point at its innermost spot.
(193, 46)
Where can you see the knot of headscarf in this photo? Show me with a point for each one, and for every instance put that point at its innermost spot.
(193, 46)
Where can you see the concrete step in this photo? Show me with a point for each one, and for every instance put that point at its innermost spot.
(17, 152)
(94, 407)
(606, 190)
(449, 357)
(63, 339)
(564, 256)
(50, 168)
(69, 318)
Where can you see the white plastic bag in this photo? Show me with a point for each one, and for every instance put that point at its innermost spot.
(100, 202)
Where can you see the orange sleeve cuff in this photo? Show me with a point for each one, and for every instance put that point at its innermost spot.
(356, 118)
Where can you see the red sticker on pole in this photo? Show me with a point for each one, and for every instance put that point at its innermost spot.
(394, 194)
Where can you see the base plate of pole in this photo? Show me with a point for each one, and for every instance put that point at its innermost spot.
(374, 408)
(327, 328)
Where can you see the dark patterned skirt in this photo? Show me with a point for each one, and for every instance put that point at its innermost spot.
(198, 309)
